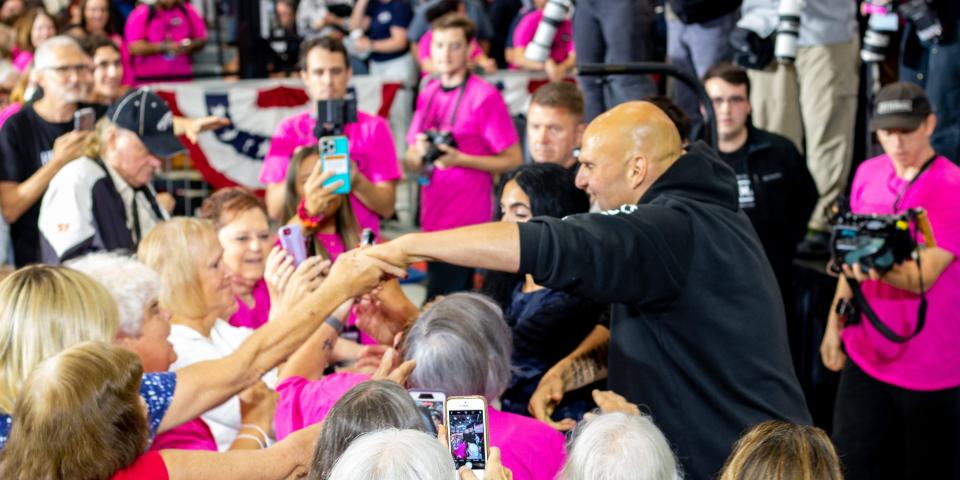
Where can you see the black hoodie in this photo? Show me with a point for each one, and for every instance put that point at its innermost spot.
(698, 336)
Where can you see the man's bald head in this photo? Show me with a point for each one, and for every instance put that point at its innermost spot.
(624, 151)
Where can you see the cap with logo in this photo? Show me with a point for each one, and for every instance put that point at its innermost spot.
(900, 106)
(147, 115)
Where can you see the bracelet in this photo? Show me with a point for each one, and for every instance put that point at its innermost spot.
(309, 222)
(258, 429)
(252, 437)
(335, 323)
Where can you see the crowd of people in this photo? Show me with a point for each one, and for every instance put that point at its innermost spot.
(614, 290)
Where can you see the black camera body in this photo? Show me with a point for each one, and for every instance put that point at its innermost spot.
(334, 115)
(436, 138)
(872, 241)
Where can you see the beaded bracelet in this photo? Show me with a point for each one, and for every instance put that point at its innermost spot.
(308, 222)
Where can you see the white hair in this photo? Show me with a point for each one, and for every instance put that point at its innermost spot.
(393, 454)
(462, 346)
(45, 55)
(617, 446)
(132, 284)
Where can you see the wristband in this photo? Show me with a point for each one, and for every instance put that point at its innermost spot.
(335, 323)
(308, 222)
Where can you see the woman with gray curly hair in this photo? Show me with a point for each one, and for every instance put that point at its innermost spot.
(462, 346)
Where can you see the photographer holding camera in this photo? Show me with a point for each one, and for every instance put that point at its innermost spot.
(461, 133)
(898, 405)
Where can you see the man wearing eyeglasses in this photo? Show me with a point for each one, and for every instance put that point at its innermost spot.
(775, 188)
(37, 141)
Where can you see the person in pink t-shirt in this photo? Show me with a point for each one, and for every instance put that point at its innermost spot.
(95, 21)
(562, 56)
(898, 404)
(161, 38)
(375, 170)
(244, 232)
(33, 28)
(462, 346)
(457, 184)
(422, 49)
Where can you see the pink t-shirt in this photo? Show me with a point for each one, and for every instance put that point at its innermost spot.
(371, 148)
(8, 112)
(562, 42)
(529, 447)
(21, 59)
(193, 435)
(458, 196)
(303, 402)
(166, 25)
(258, 314)
(931, 360)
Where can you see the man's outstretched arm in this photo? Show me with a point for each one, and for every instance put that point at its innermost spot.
(491, 246)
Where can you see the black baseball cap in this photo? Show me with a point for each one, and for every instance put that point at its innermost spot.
(900, 106)
(147, 115)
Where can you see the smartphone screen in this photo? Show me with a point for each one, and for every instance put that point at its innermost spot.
(467, 431)
(430, 405)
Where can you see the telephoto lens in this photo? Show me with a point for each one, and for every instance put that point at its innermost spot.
(877, 37)
(538, 50)
(788, 29)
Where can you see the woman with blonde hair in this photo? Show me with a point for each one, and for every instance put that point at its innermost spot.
(48, 309)
(196, 287)
(109, 435)
(778, 450)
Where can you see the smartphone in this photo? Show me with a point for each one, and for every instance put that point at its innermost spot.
(466, 419)
(431, 406)
(335, 157)
(84, 119)
(291, 239)
(367, 238)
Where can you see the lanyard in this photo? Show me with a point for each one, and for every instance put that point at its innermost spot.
(456, 106)
(926, 165)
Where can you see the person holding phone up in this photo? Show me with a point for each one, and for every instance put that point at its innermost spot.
(461, 134)
(374, 169)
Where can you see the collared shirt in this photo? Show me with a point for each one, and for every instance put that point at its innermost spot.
(146, 214)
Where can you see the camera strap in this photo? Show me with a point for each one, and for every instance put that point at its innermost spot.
(878, 324)
(456, 105)
(923, 168)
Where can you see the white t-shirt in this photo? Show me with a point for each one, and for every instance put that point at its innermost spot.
(192, 347)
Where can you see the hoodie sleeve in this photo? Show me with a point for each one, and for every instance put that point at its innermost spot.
(637, 256)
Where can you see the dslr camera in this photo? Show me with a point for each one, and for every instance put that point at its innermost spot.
(872, 241)
(435, 138)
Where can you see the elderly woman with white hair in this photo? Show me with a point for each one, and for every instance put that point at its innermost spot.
(405, 455)
(619, 446)
(462, 346)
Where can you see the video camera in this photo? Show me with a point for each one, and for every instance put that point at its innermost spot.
(877, 242)
(873, 241)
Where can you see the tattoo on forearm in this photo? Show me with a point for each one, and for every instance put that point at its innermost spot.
(327, 344)
(587, 368)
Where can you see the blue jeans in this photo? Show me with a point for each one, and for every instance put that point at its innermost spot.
(612, 32)
(694, 48)
(936, 68)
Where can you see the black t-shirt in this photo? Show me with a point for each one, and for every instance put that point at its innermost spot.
(738, 161)
(26, 144)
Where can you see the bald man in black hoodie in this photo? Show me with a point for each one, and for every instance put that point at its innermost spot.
(697, 331)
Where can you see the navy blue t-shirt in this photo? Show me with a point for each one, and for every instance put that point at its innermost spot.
(383, 15)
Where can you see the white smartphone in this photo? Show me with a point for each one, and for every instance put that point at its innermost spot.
(466, 419)
(431, 406)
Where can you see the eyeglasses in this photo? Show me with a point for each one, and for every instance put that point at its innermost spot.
(79, 69)
(732, 101)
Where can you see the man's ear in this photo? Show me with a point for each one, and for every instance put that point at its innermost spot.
(579, 132)
(931, 123)
(638, 170)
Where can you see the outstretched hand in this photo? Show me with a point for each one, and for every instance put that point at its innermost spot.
(389, 370)
(359, 272)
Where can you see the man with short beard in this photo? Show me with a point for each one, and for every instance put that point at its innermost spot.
(37, 141)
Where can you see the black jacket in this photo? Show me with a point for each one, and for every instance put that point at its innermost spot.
(785, 196)
(698, 335)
